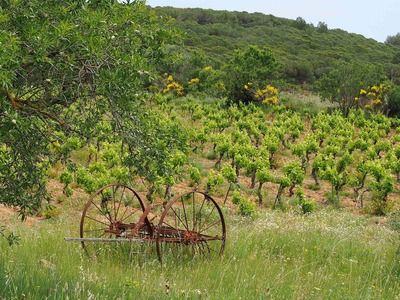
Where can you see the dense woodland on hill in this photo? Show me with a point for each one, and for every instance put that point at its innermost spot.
(306, 51)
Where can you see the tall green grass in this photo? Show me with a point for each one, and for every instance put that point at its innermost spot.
(327, 255)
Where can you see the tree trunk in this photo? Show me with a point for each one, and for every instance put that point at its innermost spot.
(227, 192)
(218, 163)
(278, 196)
(271, 161)
(291, 190)
(167, 195)
(315, 177)
(253, 180)
(150, 192)
(259, 194)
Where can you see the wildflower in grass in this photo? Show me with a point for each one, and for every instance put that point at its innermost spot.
(194, 81)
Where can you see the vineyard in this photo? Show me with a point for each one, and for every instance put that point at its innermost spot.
(250, 156)
(101, 100)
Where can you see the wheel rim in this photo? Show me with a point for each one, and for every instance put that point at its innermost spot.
(111, 213)
(192, 223)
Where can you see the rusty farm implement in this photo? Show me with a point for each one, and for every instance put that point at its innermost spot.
(192, 222)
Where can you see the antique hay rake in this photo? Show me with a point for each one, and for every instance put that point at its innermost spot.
(192, 222)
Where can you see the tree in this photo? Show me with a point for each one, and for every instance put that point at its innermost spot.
(394, 101)
(300, 23)
(253, 65)
(393, 40)
(64, 65)
(343, 84)
(322, 27)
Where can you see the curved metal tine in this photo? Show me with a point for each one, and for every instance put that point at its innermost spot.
(208, 248)
(201, 247)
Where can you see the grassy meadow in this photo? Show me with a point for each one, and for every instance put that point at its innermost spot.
(331, 254)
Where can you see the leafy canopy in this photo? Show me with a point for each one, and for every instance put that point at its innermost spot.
(65, 66)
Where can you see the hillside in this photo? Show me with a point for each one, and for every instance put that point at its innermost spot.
(305, 50)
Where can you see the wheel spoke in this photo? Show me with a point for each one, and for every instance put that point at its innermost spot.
(123, 215)
(131, 214)
(212, 210)
(99, 209)
(179, 219)
(210, 226)
(119, 203)
(114, 190)
(98, 215)
(184, 212)
(97, 220)
(199, 213)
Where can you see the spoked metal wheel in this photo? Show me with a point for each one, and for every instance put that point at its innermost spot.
(191, 224)
(111, 213)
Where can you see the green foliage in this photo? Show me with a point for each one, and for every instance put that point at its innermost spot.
(220, 32)
(64, 64)
(393, 40)
(252, 64)
(394, 220)
(300, 23)
(229, 173)
(247, 208)
(273, 245)
(214, 179)
(236, 197)
(307, 206)
(322, 27)
(343, 84)
(10, 237)
(294, 172)
(394, 101)
(66, 178)
(195, 175)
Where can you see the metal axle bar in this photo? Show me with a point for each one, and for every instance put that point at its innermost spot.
(101, 240)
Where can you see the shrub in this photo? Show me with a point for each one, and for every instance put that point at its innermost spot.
(252, 64)
(236, 197)
(306, 205)
(195, 176)
(247, 208)
(394, 101)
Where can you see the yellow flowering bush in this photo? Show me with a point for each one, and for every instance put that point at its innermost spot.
(172, 86)
(268, 95)
(373, 97)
